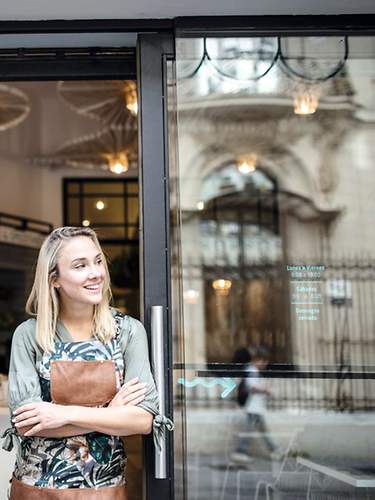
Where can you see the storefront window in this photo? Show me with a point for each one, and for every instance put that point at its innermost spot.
(274, 248)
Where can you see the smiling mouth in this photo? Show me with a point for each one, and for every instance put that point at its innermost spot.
(93, 288)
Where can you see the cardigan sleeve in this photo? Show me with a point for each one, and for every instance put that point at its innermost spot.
(23, 382)
(133, 340)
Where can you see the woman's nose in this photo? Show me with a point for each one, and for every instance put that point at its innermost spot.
(94, 272)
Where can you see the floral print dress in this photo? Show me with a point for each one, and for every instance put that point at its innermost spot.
(91, 460)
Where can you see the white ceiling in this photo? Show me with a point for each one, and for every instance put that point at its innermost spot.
(154, 9)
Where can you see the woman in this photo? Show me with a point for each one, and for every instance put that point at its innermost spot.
(79, 378)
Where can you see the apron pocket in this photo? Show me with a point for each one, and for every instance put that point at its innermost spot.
(83, 383)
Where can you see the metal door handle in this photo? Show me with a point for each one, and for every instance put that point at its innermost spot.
(157, 339)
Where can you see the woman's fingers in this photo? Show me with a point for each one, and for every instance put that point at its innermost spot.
(28, 422)
(131, 390)
(26, 414)
(130, 398)
(128, 389)
(34, 430)
(137, 401)
(28, 407)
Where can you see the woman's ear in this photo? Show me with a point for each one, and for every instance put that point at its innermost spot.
(55, 282)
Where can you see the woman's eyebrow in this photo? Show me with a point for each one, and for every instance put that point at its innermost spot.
(80, 259)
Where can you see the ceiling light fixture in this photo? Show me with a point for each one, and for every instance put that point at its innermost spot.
(222, 286)
(306, 101)
(118, 163)
(131, 98)
(247, 165)
(100, 205)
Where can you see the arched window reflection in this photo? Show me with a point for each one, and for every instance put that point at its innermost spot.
(241, 251)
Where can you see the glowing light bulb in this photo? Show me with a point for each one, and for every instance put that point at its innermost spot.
(118, 168)
(100, 205)
(247, 164)
(130, 95)
(133, 107)
(118, 163)
(222, 286)
(85, 222)
(306, 102)
(200, 205)
(191, 296)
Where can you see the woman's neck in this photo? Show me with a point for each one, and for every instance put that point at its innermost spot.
(76, 314)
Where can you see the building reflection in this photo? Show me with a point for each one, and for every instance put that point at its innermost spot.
(275, 146)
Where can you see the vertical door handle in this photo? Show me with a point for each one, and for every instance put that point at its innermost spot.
(157, 339)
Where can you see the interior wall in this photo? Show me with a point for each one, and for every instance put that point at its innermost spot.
(29, 190)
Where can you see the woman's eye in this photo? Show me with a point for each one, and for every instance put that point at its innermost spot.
(99, 261)
(80, 266)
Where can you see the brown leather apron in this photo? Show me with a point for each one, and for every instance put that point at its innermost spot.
(22, 491)
(81, 383)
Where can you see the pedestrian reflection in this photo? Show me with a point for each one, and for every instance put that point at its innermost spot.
(252, 395)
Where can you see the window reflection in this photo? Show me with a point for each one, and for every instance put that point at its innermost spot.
(275, 248)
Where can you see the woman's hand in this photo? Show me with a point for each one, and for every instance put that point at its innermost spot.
(131, 393)
(40, 416)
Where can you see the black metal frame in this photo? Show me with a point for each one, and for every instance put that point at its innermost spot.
(81, 196)
(363, 24)
(153, 49)
(21, 64)
(153, 53)
(356, 24)
(85, 64)
(87, 26)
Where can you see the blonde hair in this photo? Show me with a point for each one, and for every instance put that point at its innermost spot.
(43, 301)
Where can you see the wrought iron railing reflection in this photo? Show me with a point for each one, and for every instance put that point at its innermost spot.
(324, 363)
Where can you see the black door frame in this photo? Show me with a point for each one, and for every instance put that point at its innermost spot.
(156, 39)
(153, 52)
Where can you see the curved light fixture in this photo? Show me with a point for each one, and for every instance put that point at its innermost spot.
(112, 102)
(310, 74)
(306, 101)
(222, 286)
(247, 164)
(112, 148)
(273, 57)
(118, 163)
(14, 107)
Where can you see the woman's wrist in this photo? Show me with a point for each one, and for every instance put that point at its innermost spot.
(73, 414)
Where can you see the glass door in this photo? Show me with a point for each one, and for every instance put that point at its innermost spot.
(273, 285)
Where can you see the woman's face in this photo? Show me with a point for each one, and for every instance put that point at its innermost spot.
(81, 272)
